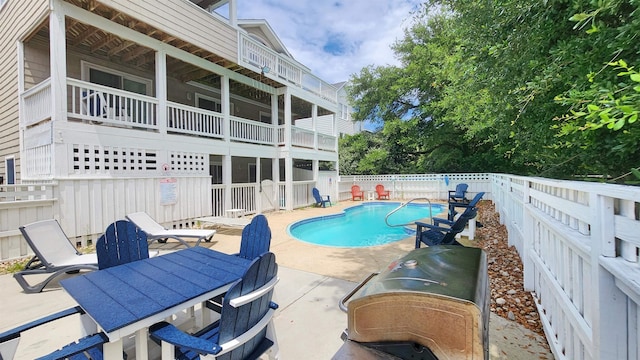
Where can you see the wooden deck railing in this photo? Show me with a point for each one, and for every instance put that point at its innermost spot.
(256, 55)
(102, 104)
(189, 120)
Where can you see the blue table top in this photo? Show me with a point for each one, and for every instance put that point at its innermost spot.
(122, 295)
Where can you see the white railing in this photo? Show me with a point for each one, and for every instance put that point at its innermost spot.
(314, 84)
(327, 142)
(189, 120)
(579, 244)
(36, 103)
(257, 54)
(254, 54)
(301, 194)
(288, 70)
(20, 205)
(411, 186)
(243, 196)
(37, 162)
(251, 131)
(26, 192)
(302, 137)
(102, 104)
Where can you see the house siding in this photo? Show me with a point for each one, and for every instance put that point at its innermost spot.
(16, 17)
(37, 66)
(185, 21)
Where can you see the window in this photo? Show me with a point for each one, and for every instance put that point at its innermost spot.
(208, 103)
(10, 169)
(118, 80)
(265, 117)
(344, 112)
(2, 2)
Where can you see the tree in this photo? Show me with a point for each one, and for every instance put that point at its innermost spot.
(487, 86)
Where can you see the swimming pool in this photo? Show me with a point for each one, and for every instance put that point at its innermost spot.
(362, 225)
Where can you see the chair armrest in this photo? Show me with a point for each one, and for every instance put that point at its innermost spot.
(84, 344)
(15, 332)
(242, 300)
(166, 332)
(438, 221)
(429, 226)
(249, 334)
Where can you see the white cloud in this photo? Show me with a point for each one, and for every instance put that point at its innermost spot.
(335, 38)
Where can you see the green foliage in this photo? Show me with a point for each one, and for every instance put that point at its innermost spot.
(531, 87)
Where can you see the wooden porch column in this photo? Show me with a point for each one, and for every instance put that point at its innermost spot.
(275, 163)
(315, 167)
(58, 65)
(258, 185)
(288, 161)
(227, 166)
(233, 12)
(161, 90)
(314, 127)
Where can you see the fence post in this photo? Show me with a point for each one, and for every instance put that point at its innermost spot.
(528, 238)
(609, 307)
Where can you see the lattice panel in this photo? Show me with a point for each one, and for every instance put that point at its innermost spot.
(188, 163)
(95, 159)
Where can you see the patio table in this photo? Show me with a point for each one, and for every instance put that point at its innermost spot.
(127, 299)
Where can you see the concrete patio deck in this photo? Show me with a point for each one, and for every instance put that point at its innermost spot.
(313, 280)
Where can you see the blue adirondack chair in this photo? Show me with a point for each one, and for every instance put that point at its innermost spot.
(89, 347)
(443, 231)
(245, 329)
(460, 194)
(464, 204)
(256, 238)
(255, 241)
(320, 201)
(121, 243)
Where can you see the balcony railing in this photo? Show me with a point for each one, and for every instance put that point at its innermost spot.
(36, 103)
(252, 131)
(327, 142)
(302, 137)
(189, 120)
(255, 55)
(101, 105)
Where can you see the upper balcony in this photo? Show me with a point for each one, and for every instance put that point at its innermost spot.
(125, 67)
(100, 105)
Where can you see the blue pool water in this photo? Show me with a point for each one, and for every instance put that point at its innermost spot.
(362, 225)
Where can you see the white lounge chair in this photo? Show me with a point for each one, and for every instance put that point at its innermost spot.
(54, 254)
(156, 231)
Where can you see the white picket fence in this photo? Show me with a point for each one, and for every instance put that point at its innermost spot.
(579, 242)
(579, 245)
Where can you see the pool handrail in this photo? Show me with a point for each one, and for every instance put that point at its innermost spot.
(386, 218)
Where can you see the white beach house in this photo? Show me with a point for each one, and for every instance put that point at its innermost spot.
(173, 107)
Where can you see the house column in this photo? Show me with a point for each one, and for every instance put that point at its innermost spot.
(314, 125)
(315, 167)
(161, 90)
(233, 12)
(258, 186)
(58, 65)
(275, 163)
(288, 161)
(227, 166)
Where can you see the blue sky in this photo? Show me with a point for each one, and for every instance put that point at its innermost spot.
(335, 38)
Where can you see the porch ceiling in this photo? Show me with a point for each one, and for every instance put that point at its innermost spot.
(100, 43)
